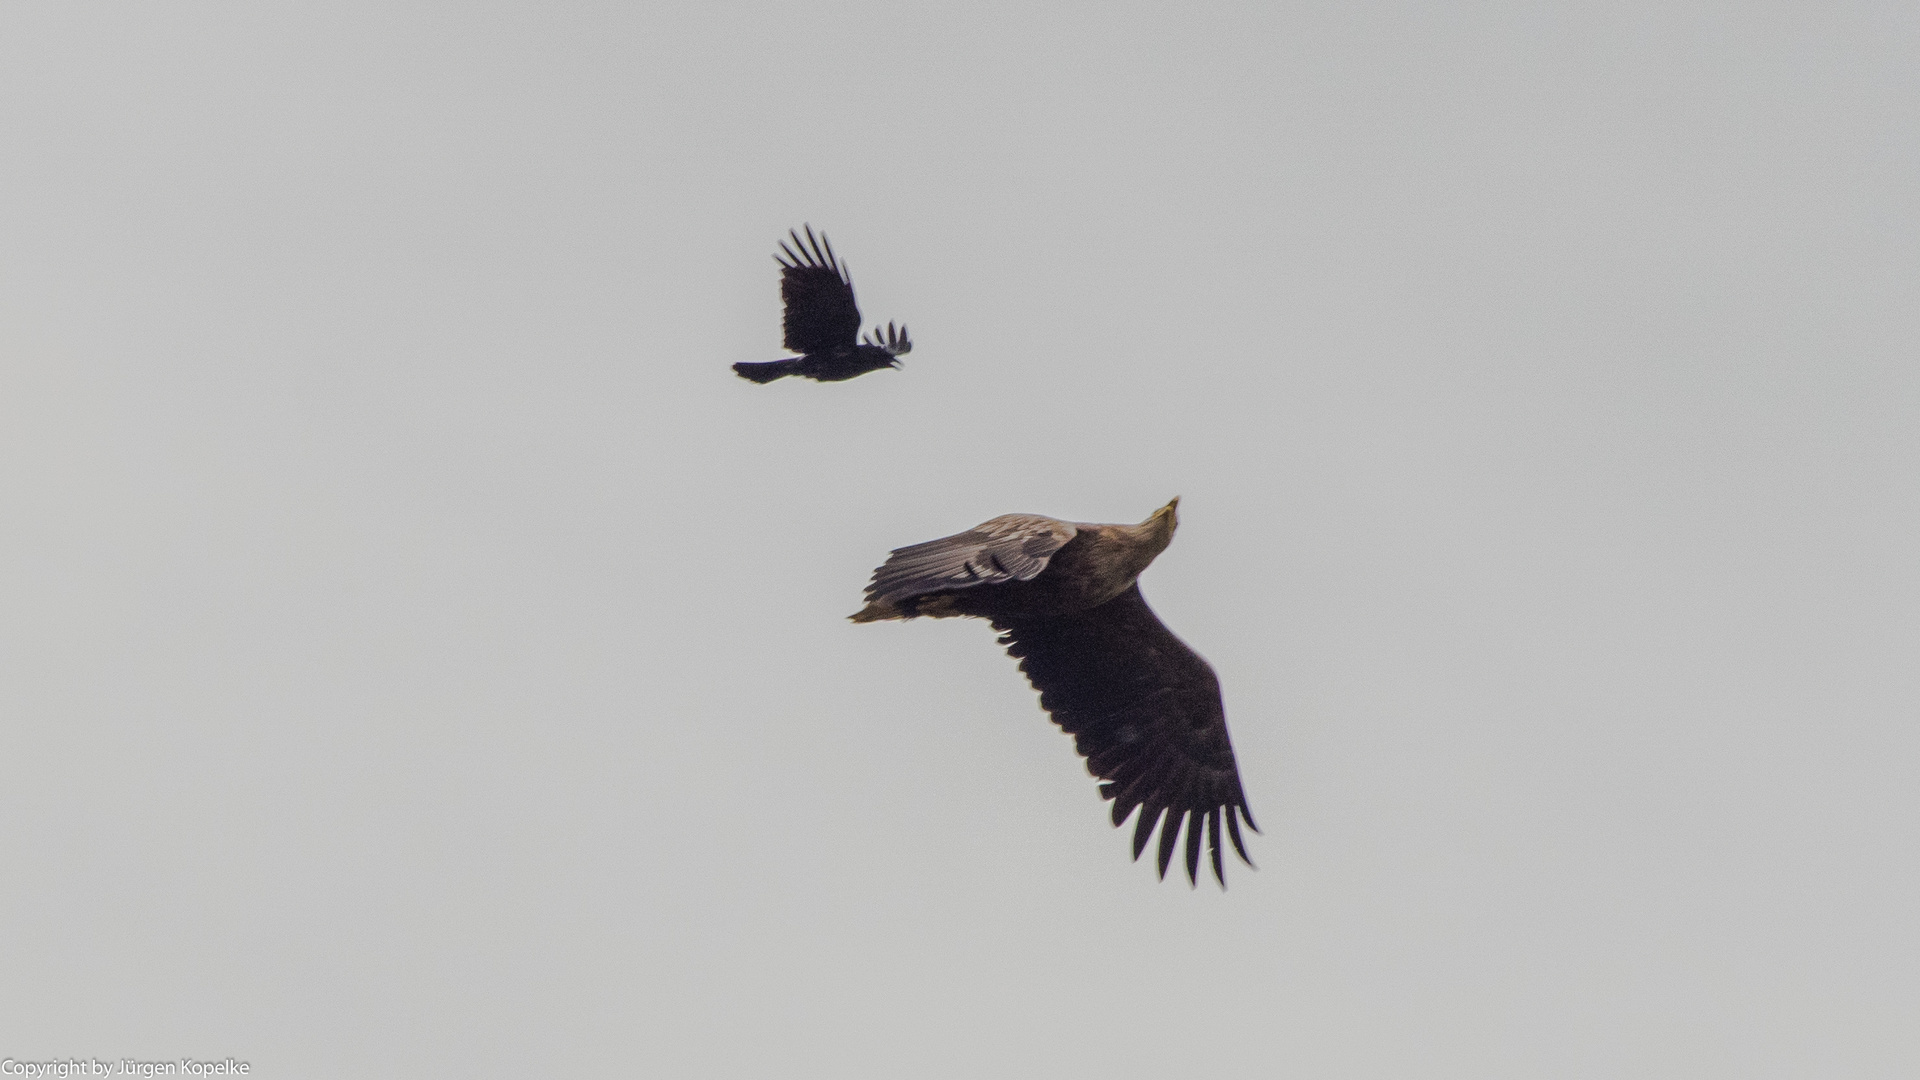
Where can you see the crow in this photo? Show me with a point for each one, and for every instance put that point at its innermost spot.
(1142, 707)
(823, 322)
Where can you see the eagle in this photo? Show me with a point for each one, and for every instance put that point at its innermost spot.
(822, 321)
(1142, 707)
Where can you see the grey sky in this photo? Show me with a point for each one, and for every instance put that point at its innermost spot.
(421, 656)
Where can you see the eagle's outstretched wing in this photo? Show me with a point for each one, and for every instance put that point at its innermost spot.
(821, 314)
(1145, 712)
(1011, 547)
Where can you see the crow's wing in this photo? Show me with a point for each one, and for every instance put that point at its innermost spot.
(1011, 547)
(1145, 712)
(821, 314)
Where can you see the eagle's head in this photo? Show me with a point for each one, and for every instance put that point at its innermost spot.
(1167, 517)
(1157, 530)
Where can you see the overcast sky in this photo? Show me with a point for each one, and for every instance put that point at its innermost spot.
(421, 656)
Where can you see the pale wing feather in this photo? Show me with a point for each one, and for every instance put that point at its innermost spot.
(1012, 547)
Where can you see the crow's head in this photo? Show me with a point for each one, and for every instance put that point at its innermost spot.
(894, 341)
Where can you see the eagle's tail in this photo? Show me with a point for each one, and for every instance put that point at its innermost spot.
(765, 372)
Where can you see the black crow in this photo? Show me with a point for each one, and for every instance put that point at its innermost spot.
(823, 322)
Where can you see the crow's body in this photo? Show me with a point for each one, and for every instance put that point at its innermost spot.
(1143, 708)
(822, 321)
(835, 365)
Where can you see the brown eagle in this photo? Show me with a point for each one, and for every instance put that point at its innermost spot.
(1143, 709)
(822, 321)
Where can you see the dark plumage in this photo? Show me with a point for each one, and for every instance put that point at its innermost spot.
(822, 320)
(1143, 708)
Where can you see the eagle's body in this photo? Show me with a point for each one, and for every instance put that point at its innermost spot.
(1144, 709)
(822, 321)
(1017, 565)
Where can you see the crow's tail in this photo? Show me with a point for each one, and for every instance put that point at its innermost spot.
(765, 372)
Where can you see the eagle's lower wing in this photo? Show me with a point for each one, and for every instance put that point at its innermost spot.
(1012, 547)
(1145, 712)
(821, 314)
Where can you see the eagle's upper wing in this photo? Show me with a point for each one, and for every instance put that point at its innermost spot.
(1012, 547)
(1145, 712)
(821, 314)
